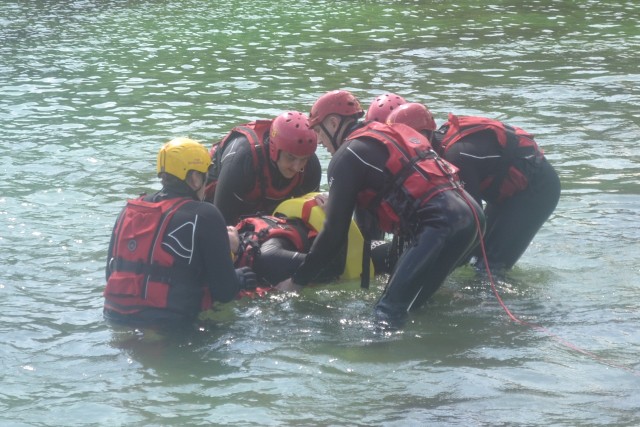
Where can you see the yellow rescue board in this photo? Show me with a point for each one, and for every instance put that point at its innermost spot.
(306, 208)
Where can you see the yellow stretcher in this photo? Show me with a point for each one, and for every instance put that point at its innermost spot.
(307, 209)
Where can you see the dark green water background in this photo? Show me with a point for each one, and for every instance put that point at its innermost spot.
(90, 89)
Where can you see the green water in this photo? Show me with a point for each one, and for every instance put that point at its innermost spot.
(89, 89)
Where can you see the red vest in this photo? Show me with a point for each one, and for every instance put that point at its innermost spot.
(141, 270)
(516, 143)
(256, 230)
(254, 132)
(415, 174)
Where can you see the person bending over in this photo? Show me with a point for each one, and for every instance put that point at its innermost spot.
(391, 171)
(500, 165)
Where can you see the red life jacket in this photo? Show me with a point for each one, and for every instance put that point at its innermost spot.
(254, 231)
(141, 270)
(415, 174)
(511, 176)
(254, 132)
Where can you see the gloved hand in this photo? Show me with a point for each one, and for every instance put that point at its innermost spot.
(247, 278)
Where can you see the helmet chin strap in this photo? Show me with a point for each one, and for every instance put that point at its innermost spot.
(334, 138)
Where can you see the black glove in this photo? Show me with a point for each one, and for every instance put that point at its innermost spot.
(247, 278)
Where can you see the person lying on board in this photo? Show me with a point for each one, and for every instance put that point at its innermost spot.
(274, 246)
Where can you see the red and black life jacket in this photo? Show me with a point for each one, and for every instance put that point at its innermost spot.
(519, 150)
(142, 271)
(254, 231)
(415, 174)
(263, 190)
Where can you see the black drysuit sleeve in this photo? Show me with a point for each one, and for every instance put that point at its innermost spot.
(356, 166)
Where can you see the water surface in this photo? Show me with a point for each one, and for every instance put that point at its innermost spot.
(89, 89)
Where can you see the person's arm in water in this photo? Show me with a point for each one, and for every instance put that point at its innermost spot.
(212, 242)
(348, 175)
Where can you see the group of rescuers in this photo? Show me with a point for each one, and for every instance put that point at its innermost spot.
(415, 191)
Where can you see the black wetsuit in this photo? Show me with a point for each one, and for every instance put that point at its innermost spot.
(197, 238)
(513, 222)
(444, 232)
(238, 177)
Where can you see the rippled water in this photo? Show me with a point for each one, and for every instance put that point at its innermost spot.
(90, 89)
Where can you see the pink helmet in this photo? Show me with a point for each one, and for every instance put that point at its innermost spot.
(382, 106)
(291, 132)
(339, 102)
(414, 115)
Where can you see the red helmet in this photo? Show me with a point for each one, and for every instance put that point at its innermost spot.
(339, 102)
(382, 106)
(414, 115)
(291, 132)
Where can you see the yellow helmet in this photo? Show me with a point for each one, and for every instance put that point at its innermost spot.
(180, 155)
